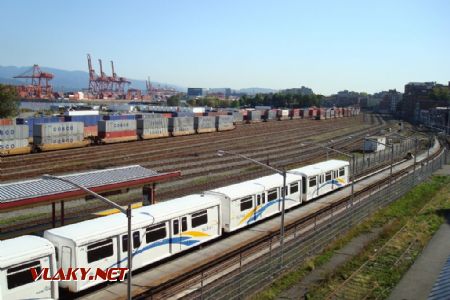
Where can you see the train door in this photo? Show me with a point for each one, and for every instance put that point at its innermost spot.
(334, 180)
(321, 184)
(179, 240)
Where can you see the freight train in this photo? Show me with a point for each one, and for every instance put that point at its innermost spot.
(56, 133)
(158, 231)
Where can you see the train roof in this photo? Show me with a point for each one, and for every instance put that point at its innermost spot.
(275, 180)
(239, 190)
(321, 167)
(104, 227)
(23, 249)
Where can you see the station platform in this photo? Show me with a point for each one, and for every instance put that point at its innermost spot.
(178, 266)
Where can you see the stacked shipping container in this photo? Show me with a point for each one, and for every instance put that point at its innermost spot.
(14, 139)
(205, 124)
(181, 126)
(55, 136)
(224, 123)
(253, 116)
(113, 131)
(153, 127)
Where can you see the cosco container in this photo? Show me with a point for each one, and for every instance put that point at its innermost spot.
(58, 129)
(13, 132)
(238, 117)
(205, 124)
(116, 125)
(181, 126)
(153, 127)
(13, 147)
(224, 123)
(50, 143)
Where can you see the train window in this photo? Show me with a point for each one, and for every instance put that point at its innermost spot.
(328, 176)
(341, 172)
(199, 218)
(21, 275)
(56, 254)
(272, 195)
(246, 203)
(303, 185)
(312, 181)
(183, 224)
(155, 233)
(263, 197)
(293, 187)
(258, 200)
(136, 239)
(125, 243)
(176, 227)
(100, 250)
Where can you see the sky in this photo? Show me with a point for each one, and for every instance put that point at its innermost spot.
(325, 45)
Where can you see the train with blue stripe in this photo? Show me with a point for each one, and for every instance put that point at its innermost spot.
(158, 231)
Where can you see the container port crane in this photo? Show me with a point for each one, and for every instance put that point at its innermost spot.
(103, 86)
(40, 87)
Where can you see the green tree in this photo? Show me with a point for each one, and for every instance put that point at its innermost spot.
(440, 93)
(174, 100)
(9, 101)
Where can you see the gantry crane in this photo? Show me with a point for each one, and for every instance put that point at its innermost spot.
(40, 86)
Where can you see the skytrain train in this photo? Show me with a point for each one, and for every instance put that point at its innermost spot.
(158, 231)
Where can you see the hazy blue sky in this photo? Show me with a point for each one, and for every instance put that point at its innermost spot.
(326, 45)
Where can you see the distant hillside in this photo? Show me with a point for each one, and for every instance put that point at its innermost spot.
(256, 90)
(69, 80)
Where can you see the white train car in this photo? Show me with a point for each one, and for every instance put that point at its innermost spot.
(17, 257)
(254, 200)
(323, 177)
(158, 231)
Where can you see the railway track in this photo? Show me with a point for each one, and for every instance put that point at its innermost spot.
(209, 164)
(159, 153)
(204, 282)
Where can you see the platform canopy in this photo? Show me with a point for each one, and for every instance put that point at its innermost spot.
(41, 191)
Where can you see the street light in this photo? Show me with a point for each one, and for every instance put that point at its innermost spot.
(283, 191)
(127, 212)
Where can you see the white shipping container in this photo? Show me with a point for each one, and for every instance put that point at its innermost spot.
(375, 143)
(204, 122)
(151, 126)
(58, 139)
(254, 115)
(13, 144)
(116, 125)
(58, 129)
(14, 132)
(224, 121)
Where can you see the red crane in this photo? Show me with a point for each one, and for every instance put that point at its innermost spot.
(40, 86)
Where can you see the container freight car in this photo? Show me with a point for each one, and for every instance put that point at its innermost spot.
(14, 140)
(238, 117)
(282, 114)
(253, 116)
(205, 124)
(58, 136)
(116, 131)
(268, 115)
(181, 126)
(14, 147)
(224, 123)
(51, 143)
(294, 113)
(153, 127)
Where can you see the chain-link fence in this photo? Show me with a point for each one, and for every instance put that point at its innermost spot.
(309, 238)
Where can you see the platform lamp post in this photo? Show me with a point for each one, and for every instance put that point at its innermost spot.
(127, 212)
(283, 190)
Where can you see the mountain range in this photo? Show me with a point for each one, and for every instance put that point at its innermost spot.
(77, 80)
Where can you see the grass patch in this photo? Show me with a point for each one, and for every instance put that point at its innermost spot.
(391, 219)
